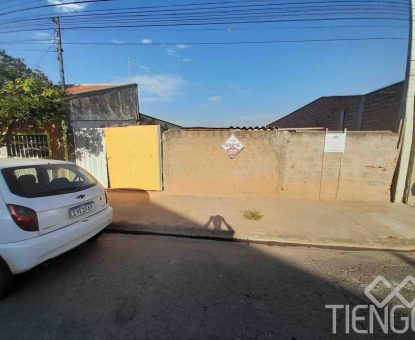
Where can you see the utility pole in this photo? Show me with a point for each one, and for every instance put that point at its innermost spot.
(65, 128)
(406, 118)
(59, 50)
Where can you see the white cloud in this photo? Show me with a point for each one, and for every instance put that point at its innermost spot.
(182, 46)
(187, 60)
(172, 53)
(116, 41)
(42, 35)
(67, 6)
(146, 41)
(144, 67)
(215, 98)
(158, 87)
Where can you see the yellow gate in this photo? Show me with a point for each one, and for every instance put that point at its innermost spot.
(134, 157)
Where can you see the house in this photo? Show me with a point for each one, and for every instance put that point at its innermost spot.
(30, 140)
(90, 106)
(94, 107)
(103, 105)
(374, 111)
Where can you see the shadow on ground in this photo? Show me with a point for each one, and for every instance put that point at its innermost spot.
(135, 205)
(135, 287)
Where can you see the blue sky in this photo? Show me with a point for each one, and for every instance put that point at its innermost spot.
(221, 85)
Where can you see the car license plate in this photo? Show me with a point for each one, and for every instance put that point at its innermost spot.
(81, 209)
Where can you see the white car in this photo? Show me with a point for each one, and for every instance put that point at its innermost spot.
(46, 208)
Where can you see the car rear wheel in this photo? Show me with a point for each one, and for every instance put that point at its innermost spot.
(5, 279)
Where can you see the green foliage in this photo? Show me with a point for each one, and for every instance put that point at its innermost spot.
(15, 68)
(27, 96)
(30, 100)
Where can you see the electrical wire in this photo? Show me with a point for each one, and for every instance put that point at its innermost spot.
(145, 10)
(199, 43)
(53, 5)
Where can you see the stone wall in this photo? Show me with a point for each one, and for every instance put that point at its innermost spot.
(286, 163)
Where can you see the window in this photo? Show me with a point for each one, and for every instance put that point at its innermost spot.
(29, 146)
(47, 180)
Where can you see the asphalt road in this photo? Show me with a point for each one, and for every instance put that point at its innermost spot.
(135, 287)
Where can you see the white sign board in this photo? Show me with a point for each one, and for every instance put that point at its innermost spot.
(335, 142)
(232, 146)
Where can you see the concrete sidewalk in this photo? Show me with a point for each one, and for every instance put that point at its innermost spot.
(294, 221)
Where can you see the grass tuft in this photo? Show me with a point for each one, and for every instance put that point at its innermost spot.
(254, 215)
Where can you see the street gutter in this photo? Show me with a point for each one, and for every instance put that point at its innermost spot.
(279, 243)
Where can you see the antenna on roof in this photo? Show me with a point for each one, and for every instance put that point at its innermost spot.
(129, 69)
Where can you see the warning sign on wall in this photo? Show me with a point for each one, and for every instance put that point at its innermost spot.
(232, 146)
(335, 142)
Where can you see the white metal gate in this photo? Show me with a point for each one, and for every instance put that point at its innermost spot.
(91, 153)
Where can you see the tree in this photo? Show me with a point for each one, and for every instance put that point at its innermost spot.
(15, 68)
(27, 96)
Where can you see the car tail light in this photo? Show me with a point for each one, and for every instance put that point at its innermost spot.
(25, 218)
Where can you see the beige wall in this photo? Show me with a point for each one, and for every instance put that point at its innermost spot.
(280, 162)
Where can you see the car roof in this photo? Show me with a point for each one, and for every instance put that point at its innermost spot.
(12, 162)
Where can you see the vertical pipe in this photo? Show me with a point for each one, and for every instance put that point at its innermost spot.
(406, 116)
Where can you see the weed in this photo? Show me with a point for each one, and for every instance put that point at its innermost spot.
(252, 215)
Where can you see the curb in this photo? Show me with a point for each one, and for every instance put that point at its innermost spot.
(280, 243)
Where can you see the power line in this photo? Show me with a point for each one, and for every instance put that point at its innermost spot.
(217, 42)
(253, 12)
(19, 3)
(208, 20)
(245, 28)
(183, 8)
(53, 5)
(42, 56)
(234, 22)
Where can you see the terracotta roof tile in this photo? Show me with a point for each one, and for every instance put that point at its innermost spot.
(76, 89)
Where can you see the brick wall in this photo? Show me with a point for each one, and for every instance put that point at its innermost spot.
(194, 162)
(380, 111)
(285, 163)
(363, 172)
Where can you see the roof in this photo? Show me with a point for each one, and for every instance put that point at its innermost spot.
(85, 88)
(275, 123)
(331, 97)
(160, 120)
(11, 162)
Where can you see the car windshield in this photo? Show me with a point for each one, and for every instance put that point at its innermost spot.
(47, 179)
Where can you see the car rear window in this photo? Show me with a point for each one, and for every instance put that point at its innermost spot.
(47, 179)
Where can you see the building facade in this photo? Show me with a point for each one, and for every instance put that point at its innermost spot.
(103, 105)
